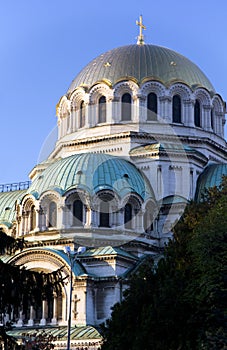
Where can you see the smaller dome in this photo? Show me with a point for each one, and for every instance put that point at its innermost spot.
(93, 172)
(210, 177)
(7, 206)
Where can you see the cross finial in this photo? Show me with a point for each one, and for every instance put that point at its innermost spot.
(140, 39)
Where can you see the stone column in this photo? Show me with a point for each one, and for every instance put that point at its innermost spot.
(20, 322)
(55, 312)
(120, 219)
(142, 109)
(207, 118)
(188, 114)
(44, 312)
(116, 110)
(88, 217)
(165, 108)
(31, 319)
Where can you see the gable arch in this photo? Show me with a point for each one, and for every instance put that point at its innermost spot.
(77, 96)
(152, 86)
(98, 91)
(27, 201)
(218, 104)
(49, 195)
(203, 96)
(50, 210)
(180, 89)
(63, 108)
(125, 87)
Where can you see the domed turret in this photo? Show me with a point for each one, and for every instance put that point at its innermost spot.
(210, 177)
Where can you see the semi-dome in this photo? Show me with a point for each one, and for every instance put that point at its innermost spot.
(92, 172)
(210, 177)
(141, 63)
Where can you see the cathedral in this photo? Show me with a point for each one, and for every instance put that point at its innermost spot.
(140, 133)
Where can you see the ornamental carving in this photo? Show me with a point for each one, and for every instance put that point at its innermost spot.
(125, 87)
(152, 86)
(180, 89)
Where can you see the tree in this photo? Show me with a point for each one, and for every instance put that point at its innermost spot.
(180, 304)
(20, 287)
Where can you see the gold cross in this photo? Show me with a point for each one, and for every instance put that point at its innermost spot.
(139, 23)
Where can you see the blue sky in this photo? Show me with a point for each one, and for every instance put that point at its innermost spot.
(45, 43)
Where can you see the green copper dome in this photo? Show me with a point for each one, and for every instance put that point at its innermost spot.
(210, 177)
(141, 63)
(92, 172)
(7, 206)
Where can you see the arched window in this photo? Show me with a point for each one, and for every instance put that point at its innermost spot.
(52, 214)
(32, 218)
(212, 119)
(102, 110)
(176, 109)
(152, 106)
(197, 114)
(128, 216)
(148, 218)
(126, 112)
(104, 218)
(82, 115)
(77, 213)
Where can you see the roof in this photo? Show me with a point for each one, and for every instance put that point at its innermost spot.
(173, 199)
(162, 147)
(7, 206)
(108, 250)
(210, 177)
(78, 269)
(92, 172)
(77, 333)
(141, 63)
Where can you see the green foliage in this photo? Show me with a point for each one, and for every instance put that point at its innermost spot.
(181, 304)
(9, 245)
(19, 286)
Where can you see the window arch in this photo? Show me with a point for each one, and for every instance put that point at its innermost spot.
(102, 110)
(148, 218)
(104, 217)
(52, 214)
(126, 112)
(78, 213)
(152, 106)
(82, 115)
(128, 216)
(212, 118)
(176, 109)
(197, 114)
(32, 218)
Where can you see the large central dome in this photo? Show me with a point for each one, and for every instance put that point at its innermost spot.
(141, 63)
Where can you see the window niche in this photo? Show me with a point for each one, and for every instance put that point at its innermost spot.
(102, 110)
(152, 106)
(82, 115)
(128, 216)
(52, 214)
(126, 108)
(78, 213)
(176, 109)
(197, 114)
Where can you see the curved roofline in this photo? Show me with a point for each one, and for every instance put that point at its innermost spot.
(139, 62)
(93, 172)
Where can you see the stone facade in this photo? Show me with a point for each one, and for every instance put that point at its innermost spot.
(128, 157)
